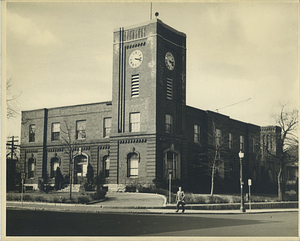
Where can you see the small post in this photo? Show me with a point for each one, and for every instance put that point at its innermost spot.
(170, 186)
(22, 191)
(249, 185)
(241, 156)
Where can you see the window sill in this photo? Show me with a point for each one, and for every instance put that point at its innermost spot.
(133, 176)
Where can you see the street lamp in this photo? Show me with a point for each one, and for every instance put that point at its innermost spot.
(241, 156)
(170, 186)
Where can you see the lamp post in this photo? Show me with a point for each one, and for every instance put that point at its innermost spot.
(170, 186)
(241, 156)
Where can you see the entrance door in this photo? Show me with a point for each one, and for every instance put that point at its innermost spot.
(81, 164)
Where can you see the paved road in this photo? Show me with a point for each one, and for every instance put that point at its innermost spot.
(44, 223)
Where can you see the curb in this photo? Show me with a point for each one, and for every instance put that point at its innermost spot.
(157, 211)
(221, 208)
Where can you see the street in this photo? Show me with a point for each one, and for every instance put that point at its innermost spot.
(45, 223)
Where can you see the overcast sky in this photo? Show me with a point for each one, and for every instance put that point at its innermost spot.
(60, 54)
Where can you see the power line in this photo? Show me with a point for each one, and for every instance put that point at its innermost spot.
(233, 104)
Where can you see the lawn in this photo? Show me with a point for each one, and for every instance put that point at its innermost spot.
(56, 197)
(86, 197)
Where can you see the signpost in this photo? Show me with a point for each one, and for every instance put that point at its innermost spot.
(170, 186)
(22, 187)
(249, 185)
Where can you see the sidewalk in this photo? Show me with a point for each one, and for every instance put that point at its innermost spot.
(60, 207)
(131, 203)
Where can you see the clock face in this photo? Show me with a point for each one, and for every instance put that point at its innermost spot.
(170, 61)
(135, 58)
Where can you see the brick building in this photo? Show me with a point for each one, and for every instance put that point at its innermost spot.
(147, 130)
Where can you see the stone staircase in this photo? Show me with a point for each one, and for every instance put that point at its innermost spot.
(75, 188)
(115, 187)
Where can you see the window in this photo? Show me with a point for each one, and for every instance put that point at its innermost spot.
(264, 142)
(106, 161)
(55, 131)
(218, 137)
(169, 123)
(133, 165)
(230, 138)
(196, 133)
(242, 143)
(134, 120)
(172, 164)
(107, 127)
(80, 129)
(54, 166)
(220, 170)
(169, 88)
(254, 145)
(31, 168)
(270, 142)
(32, 133)
(135, 85)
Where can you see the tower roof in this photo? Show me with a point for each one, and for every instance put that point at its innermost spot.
(152, 21)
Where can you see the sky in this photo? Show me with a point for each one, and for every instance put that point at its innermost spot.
(242, 57)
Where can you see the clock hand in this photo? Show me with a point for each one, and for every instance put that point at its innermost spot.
(138, 59)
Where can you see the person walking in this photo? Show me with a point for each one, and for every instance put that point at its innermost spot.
(180, 199)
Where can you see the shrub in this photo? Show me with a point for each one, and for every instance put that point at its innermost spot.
(72, 200)
(83, 199)
(27, 198)
(207, 199)
(38, 199)
(89, 187)
(131, 189)
(99, 194)
(12, 197)
(55, 200)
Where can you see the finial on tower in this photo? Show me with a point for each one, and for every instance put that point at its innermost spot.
(156, 14)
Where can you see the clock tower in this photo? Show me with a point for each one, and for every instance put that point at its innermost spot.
(148, 99)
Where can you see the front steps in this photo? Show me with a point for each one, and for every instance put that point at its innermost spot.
(75, 188)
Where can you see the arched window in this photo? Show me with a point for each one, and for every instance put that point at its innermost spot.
(31, 168)
(81, 163)
(270, 142)
(264, 142)
(54, 166)
(106, 164)
(172, 164)
(132, 164)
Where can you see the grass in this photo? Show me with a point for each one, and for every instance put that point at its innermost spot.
(56, 197)
(86, 197)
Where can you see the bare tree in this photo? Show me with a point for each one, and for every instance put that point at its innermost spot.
(288, 121)
(10, 101)
(214, 158)
(68, 139)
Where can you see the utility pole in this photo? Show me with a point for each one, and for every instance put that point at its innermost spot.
(12, 146)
